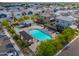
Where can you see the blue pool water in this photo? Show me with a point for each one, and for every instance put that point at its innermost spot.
(40, 35)
(18, 28)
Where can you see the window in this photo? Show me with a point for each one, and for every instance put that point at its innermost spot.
(18, 14)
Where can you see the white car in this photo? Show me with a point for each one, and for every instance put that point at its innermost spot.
(12, 53)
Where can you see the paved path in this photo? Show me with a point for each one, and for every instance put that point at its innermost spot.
(72, 50)
(14, 44)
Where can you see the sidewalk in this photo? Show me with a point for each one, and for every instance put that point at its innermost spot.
(14, 44)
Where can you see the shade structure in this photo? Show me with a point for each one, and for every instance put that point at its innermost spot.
(25, 35)
(27, 22)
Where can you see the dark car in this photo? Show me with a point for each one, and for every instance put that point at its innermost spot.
(9, 45)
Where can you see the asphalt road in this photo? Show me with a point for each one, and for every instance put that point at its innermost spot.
(72, 50)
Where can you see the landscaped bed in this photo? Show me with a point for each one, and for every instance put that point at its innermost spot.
(22, 45)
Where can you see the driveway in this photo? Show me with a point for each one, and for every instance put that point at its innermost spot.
(72, 50)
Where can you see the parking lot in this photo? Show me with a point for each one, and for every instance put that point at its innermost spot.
(6, 47)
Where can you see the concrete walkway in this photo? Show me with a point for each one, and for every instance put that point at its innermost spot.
(14, 44)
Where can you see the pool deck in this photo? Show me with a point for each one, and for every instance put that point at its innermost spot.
(32, 27)
(40, 27)
(34, 45)
(28, 28)
(35, 42)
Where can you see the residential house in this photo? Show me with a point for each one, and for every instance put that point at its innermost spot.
(65, 21)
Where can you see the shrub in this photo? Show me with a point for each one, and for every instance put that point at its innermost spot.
(16, 37)
(48, 48)
(5, 23)
(45, 49)
(69, 33)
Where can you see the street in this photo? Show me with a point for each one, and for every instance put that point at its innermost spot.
(72, 50)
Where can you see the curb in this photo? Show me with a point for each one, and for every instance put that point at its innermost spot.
(66, 46)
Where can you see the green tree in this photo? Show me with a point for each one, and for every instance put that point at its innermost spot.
(5, 23)
(16, 37)
(12, 31)
(56, 43)
(20, 19)
(66, 36)
(22, 43)
(45, 49)
(34, 17)
(69, 33)
(26, 17)
(62, 39)
(48, 48)
(15, 19)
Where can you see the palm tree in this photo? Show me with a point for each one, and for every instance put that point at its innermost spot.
(5, 23)
(12, 31)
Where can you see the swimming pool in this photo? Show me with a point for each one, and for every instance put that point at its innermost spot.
(17, 28)
(40, 35)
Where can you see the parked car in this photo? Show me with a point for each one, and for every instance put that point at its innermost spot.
(12, 53)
